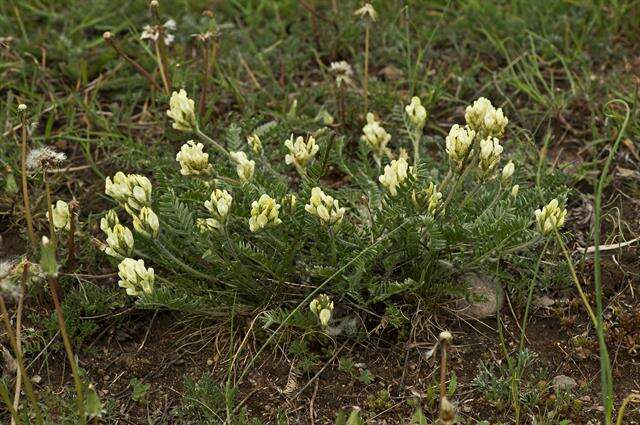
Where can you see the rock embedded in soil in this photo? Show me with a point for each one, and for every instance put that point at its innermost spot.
(563, 383)
(484, 299)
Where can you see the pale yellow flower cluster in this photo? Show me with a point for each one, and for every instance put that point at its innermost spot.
(375, 136)
(300, 152)
(119, 238)
(550, 218)
(219, 205)
(135, 277)
(133, 191)
(264, 213)
(244, 166)
(394, 175)
(325, 207)
(485, 120)
(182, 111)
(458, 145)
(322, 307)
(193, 161)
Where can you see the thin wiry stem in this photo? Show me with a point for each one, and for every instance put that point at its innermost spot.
(53, 287)
(365, 81)
(108, 37)
(606, 378)
(23, 287)
(25, 188)
(4, 393)
(27, 381)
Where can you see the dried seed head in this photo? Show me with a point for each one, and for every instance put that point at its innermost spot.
(44, 158)
(447, 412)
(445, 336)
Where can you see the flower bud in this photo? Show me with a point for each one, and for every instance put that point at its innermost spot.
(147, 223)
(244, 166)
(255, 143)
(416, 112)
(507, 171)
(119, 242)
(514, 190)
(61, 215)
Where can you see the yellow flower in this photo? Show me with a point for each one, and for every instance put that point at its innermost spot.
(218, 205)
(484, 119)
(300, 153)
(255, 143)
(324, 207)
(550, 218)
(182, 111)
(135, 278)
(61, 215)
(193, 160)
(146, 222)
(264, 213)
(244, 166)
(394, 175)
(367, 12)
(514, 190)
(322, 307)
(119, 241)
(458, 145)
(131, 190)
(375, 136)
(416, 112)
(490, 151)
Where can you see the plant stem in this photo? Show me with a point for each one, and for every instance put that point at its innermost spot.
(606, 378)
(4, 393)
(161, 58)
(210, 140)
(205, 78)
(53, 287)
(23, 287)
(71, 241)
(52, 229)
(108, 37)
(365, 81)
(27, 381)
(25, 188)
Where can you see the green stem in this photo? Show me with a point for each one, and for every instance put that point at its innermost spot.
(53, 287)
(4, 393)
(606, 377)
(210, 140)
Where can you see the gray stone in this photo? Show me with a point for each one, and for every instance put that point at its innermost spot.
(484, 299)
(563, 383)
